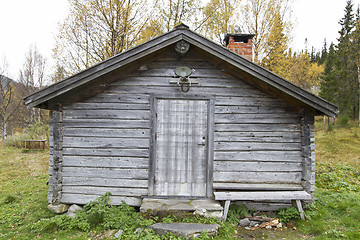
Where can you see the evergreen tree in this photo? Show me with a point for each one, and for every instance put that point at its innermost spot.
(347, 68)
(341, 70)
(323, 53)
(356, 52)
(329, 88)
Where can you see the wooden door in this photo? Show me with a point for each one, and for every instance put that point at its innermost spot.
(181, 142)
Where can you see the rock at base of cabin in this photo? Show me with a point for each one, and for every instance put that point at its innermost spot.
(58, 208)
(200, 211)
(139, 230)
(214, 214)
(72, 210)
(119, 233)
(244, 222)
(187, 230)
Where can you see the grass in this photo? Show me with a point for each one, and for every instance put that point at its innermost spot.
(335, 214)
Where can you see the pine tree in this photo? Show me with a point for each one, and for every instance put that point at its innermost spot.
(323, 53)
(340, 84)
(347, 69)
(356, 52)
(329, 88)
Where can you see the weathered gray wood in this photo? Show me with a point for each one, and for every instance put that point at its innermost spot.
(266, 206)
(152, 140)
(169, 62)
(104, 182)
(263, 196)
(251, 109)
(181, 146)
(118, 191)
(119, 162)
(242, 166)
(109, 142)
(109, 173)
(105, 123)
(258, 177)
(69, 198)
(210, 149)
(257, 118)
(260, 99)
(275, 156)
(107, 114)
(108, 132)
(257, 127)
(307, 147)
(55, 182)
(143, 153)
(256, 186)
(256, 146)
(166, 72)
(274, 137)
(107, 106)
(213, 81)
(298, 203)
(226, 209)
(110, 97)
(194, 89)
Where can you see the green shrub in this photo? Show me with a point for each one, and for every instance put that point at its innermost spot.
(10, 199)
(15, 141)
(344, 121)
(338, 177)
(286, 215)
(236, 212)
(37, 130)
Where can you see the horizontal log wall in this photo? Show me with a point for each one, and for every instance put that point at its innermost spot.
(257, 139)
(106, 148)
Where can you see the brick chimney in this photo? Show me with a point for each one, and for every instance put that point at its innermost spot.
(240, 43)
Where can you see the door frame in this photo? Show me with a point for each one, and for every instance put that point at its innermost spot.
(210, 138)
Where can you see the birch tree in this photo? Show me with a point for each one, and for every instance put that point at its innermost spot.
(259, 16)
(9, 100)
(33, 77)
(98, 29)
(219, 18)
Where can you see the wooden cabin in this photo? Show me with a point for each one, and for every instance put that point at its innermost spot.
(180, 117)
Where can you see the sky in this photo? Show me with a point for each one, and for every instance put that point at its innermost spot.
(26, 23)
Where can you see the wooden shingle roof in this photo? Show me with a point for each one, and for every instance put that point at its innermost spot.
(247, 70)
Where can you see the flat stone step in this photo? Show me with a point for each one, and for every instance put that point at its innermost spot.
(187, 230)
(163, 207)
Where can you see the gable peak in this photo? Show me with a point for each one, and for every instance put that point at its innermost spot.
(182, 26)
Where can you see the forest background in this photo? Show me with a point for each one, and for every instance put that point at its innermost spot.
(95, 30)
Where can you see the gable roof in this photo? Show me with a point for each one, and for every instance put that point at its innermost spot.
(258, 75)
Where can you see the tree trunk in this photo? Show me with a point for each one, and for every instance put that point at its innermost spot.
(359, 88)
(4, 130)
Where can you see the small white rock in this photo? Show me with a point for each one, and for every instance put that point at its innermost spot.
(120, 232)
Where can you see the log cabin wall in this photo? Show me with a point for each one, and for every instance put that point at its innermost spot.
(55, 155)
(258, 139)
